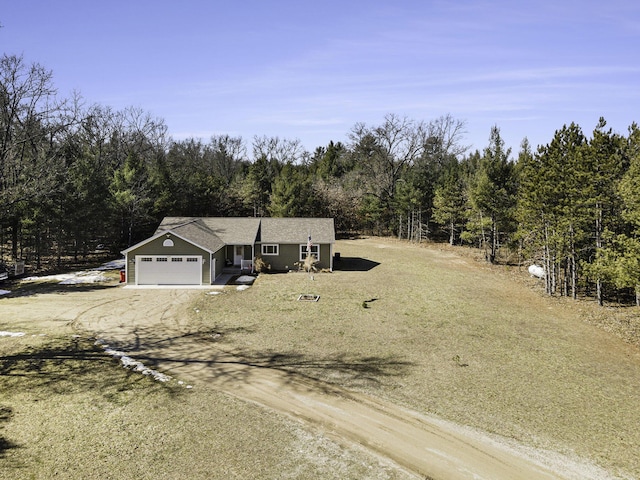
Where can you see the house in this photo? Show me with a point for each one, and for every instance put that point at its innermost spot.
(196, 250)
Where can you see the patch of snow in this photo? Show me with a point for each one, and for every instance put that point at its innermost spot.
(242, 287)
(4, 292)
(49, 278)
(214, 293)
(88, 276)
(84, 277)
(112, 265)
(245, 280)
(11, 334)
(130, 363)
(91, 276)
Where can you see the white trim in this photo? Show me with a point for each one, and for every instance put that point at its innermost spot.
(276, 249)
(160, 234)
(315, 251)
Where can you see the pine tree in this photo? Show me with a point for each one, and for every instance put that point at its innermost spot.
(493, 189)
(449, 201)
(548, 201)
(130, 190)
(604, 166)
(292, 194)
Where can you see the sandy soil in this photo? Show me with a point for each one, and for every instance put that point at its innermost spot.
(153, 326)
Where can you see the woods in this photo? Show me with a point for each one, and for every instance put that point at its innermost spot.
(75, 176)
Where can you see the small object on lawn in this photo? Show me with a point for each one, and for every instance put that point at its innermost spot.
(307, 297)
(459, 361)
(366, 303)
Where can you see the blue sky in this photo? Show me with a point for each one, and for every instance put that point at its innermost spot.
(312, 70)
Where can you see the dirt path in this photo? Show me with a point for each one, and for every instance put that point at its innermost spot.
(150, 325)
(417, 443)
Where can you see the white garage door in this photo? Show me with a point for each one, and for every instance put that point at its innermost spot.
(169, 270)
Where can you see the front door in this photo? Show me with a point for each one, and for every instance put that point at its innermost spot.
(238, 255)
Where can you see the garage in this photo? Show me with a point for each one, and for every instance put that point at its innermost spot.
(168, 269)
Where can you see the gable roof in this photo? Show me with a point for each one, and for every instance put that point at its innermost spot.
(161, 233)
(198, 233)
(213, 233)
(249, 230)
(297, 230)
(228, 230)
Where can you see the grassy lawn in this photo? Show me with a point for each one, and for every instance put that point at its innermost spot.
(68, 411)
(448, 335)
(419, 325)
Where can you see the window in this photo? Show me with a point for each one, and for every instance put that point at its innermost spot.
(167, 243)
(146, 259)
(270, 249)
(176, 259)
(161, 259)
(192, 259)
(315, 251)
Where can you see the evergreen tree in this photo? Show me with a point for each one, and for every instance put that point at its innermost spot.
(292, 194)
(449, 201)
(604, 166)
(329, 163)
(552, 204)
(130, 191)
(629, 187)
(493, 190)
(627, 273)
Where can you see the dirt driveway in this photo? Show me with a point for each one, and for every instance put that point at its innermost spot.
(154, 327)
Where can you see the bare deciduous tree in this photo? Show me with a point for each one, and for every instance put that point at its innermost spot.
(275, 149)
(33, 125)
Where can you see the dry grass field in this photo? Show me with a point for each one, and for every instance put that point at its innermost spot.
(420, 326)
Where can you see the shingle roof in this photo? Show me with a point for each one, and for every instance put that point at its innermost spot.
(199, 234)
(296, 230)
(228, 230)
(215, 232)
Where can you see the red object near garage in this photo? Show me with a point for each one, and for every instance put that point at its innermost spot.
(123, 277)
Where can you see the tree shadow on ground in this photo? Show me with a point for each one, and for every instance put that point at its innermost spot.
(210, 349)
(78, 364)
(41, 288)
(63, 366)
(354, 264)
(5, 415)
(339, 369)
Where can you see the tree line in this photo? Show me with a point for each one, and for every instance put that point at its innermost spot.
(73, 177)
